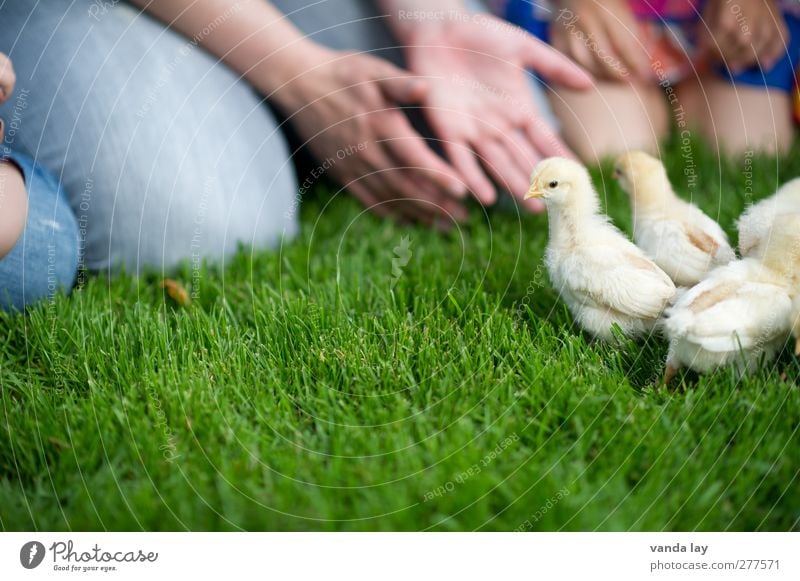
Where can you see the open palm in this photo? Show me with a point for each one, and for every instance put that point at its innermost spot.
(480, 102)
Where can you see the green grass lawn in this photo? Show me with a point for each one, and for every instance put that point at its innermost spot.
(313, 388)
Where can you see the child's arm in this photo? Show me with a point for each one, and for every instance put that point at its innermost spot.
(744, 33)
(601, 36)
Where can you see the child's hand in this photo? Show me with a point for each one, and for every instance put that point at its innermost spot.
(7, 78)
(744, 33)
(603, 37)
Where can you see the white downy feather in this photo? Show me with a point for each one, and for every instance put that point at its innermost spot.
(756, 222)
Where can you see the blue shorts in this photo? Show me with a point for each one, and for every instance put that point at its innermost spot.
(44, 260)
(535, 18)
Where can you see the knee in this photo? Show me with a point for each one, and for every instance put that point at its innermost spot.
(177, 215)
(593, 148)
(743, 118)
(255, 211)
(738, 139)
(617, 119)
(45, 259)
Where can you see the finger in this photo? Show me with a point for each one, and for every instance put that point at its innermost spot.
(745, 44)
(404, 191)
(733, 46)
(455, 208)
(716, 48)
(496, 160)
(399, 85)
(521, 153)
(552, 65)
(558, 38)
(583, 56)
(463, 159)
(370, 202)
(604, 54)
(776, 47)
(711, 33)
(418, 213)
(404, 146)
(545, 139)
(382, 208)
(707, 47)
(629, 49)
(414, 212)
(421, 192)
(533, 205)
(525, 154)
(391, 181)
(762, 48)
(768, 35)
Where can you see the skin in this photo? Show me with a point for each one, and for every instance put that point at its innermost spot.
(755, 36)
(13, 195)
(594, 128)
(603, 38)
(482, 108)
(735, 119)
(337, 100)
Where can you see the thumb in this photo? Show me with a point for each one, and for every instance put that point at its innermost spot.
(401, 86)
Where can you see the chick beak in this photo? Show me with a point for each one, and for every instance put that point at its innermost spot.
(535, 191)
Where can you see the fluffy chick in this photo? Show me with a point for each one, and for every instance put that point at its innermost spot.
(741, 313)
(677, 235)
(602, 277)
(755, 223)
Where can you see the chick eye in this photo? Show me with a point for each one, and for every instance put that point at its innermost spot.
(553, 184)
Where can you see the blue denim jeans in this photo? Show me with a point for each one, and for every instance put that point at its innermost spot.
(165, 154)
(45, 259)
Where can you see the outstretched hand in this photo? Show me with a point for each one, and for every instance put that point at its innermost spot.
(480, 102)
(347, 109)
(744, 34)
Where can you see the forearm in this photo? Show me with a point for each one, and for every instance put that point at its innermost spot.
(251, 36)
(407, 17)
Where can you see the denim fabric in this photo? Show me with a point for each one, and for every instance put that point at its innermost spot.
(45, 259)
(166, 155)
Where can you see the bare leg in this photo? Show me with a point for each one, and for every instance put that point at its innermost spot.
(13, 206)
(611, 118)
(797, 347)
(739, 118)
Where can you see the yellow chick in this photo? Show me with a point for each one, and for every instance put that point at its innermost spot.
(741, 313)
(755, 223)
(601, 275)
(677, 235)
